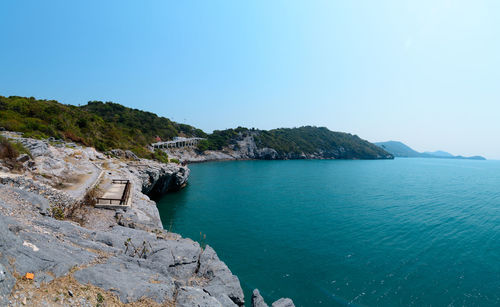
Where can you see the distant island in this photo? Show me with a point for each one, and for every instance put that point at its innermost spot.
(107, 126)
(399, 149)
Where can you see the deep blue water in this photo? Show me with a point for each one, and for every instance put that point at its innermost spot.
(368, 233)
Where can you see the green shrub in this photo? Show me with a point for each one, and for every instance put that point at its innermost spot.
(203, 145)
(104, 126)
(20, 148)
(57, 213)
(160, 155)
(7, 149)
(100, 298)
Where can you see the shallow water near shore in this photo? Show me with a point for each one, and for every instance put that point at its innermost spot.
(372, 233)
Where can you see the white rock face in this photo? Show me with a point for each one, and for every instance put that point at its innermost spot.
(245, 148)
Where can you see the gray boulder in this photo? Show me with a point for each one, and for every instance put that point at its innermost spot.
(37, 148)
(222, 284)
(116, 153)
(128, 280)
(38, 251)
(257, 299)
(125, 154)
(130, 155)
(30, 165)
(38, 202)
(160, 178)
(189, 296)
(283, 302)
(23, 158)
(266, 154)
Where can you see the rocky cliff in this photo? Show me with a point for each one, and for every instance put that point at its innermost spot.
(244, 147)
(80, 255)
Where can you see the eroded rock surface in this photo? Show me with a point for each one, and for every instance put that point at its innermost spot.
(125, 254)
(283, 302)
(130, 263)
(258, 300)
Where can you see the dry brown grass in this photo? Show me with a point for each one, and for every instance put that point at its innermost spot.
(7, 150)
(105, 165)
(8, 154)
(79, 212)
(56, 293)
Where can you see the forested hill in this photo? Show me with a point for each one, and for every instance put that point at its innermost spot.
(101, 125)
(147, 124)
(311, 140)
(302, 142)
(398, 149)
(110, 125)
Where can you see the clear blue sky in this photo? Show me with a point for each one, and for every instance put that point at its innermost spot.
(423, 72)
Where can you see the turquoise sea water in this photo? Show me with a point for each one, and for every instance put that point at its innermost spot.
(364, 233)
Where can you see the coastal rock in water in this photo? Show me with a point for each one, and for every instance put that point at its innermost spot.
(257, 299)
(222, 284)
(128, 262)
(159, 178)
(266, 154)
(283, 144)
(126, 252)
(283, 302)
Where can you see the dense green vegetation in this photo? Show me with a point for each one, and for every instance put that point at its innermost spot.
(109, 125)
(101, 125)
(137, 123)
(222, 138)
(292, 142)
(311, 140)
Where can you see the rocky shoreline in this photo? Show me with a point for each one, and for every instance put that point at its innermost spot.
(245, 148)
(84, 256)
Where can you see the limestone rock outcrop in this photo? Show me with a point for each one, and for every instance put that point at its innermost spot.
(130, 263)
(125, 255)
(258, 300)
(159, 178)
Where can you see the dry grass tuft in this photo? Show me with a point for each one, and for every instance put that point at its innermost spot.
(57, 293)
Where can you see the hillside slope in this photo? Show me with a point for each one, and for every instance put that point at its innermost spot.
(320, 141)
(110, 125)
(101, 125)
(285, 143)
(399, 149)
